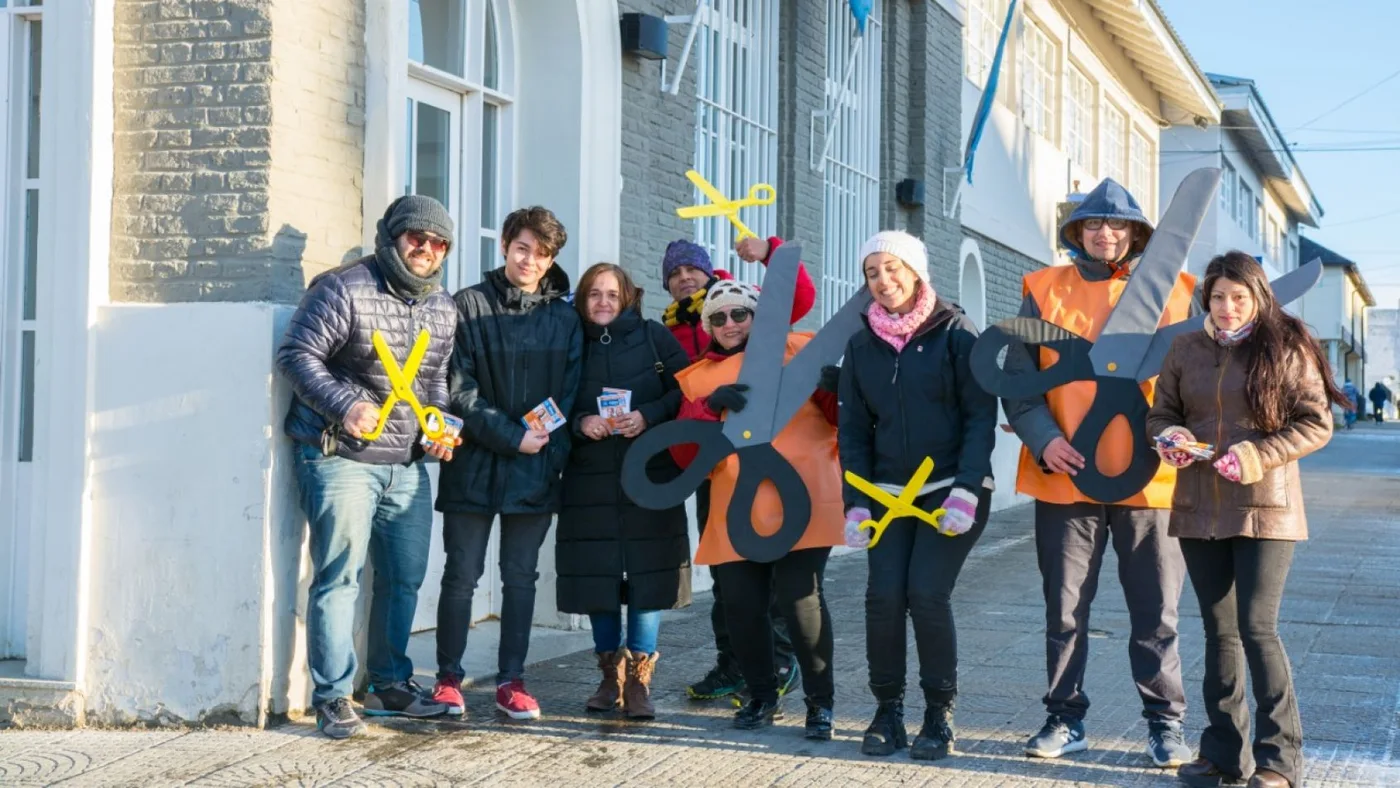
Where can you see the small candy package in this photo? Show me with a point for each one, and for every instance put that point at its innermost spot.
(452, 430)
(1201, 451)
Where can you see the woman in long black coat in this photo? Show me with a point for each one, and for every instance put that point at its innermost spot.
(609, 551)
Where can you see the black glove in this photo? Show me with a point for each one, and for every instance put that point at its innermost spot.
(831, 376)
(728, 397)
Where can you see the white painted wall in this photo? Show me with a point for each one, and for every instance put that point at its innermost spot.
(1020, 177)
(196, 538)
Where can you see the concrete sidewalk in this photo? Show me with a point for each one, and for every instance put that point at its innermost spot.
(1339, 625)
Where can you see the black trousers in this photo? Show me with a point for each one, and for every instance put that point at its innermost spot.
(782, 644)
(912, 572)
(1070, 540)
(1239, 583)
(796, 581)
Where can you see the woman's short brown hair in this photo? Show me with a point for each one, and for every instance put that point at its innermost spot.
(628, 292)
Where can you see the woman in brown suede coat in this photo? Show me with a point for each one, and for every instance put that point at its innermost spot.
(1255, 386)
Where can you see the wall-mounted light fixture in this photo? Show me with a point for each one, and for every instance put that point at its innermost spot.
(910, 193)
(644, 35)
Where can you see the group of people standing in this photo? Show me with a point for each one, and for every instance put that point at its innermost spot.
(1253, 383)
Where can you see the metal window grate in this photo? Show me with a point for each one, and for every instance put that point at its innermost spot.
(852, 165)
(736, 127)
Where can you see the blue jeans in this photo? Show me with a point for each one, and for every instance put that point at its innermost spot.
(354, 509)
(643, 627)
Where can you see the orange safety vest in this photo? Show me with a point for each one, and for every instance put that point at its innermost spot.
(1069, 301)
(808, 442)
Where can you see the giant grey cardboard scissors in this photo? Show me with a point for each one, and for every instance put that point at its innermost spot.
(1128, 351)
(776, 392)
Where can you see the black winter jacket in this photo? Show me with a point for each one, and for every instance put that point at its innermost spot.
(897, 409)
(602, 535)
(328, 356)
(513, 351)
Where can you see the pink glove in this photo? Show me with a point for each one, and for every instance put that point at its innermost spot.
(1174, 457)
(855, 535)
(1229, 466)
(960, 513)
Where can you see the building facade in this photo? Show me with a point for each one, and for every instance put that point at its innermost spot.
(1264, 199)
(1337, 312)
(1383, 352)
(166, 215)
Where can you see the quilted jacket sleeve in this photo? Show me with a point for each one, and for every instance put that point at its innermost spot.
(319, 329)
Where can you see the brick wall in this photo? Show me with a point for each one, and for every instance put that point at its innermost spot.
(216, 196)
(1002, 269)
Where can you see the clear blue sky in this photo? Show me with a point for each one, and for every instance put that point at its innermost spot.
(1306, 58)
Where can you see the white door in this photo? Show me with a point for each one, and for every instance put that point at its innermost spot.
(20, 321)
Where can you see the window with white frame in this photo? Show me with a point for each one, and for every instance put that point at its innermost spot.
(1079, 120)
(1259, 223)
(851, 172)
(736, 127)
(1244, 208)
(1115, 133)
(1273, 247)
(1141, 168)
(1039, 70)
(461, 123)
(1228, 184)
(980, 37)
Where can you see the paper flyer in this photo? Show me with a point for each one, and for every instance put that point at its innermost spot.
(545, 416)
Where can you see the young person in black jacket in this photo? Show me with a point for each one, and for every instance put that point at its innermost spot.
(907, 393)
(518, 343)
(609, 551)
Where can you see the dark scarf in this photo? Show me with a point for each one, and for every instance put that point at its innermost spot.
(396, 273)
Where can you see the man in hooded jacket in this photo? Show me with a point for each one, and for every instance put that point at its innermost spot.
(1106, 234)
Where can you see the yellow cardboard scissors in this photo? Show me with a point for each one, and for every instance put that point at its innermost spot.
(719, 205)
(903, 506)
(401, 383)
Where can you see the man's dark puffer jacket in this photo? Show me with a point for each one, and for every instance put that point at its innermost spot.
(328, 356)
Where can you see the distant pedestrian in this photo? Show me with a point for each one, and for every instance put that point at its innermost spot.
(1257, 385)
(1353, 395)
(1380, 395)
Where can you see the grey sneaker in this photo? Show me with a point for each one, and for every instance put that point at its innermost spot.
(401, 699)
(1061, 735)
(337, 719)
(1166, 744)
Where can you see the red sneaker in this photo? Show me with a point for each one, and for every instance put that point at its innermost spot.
(448, 691)
(518, 704)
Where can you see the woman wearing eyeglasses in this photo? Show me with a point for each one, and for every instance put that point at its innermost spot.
(907, 394)
(808, 443)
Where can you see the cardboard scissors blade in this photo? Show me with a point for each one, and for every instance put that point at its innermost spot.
(1128, 332)
(764, 357)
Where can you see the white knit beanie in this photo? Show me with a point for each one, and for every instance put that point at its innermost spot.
(726, 294)
(900, 244)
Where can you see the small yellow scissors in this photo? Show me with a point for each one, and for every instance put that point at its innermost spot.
(401, 381)
(903, 506)
(719, 205)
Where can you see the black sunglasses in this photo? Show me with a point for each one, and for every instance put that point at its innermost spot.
(740, 315)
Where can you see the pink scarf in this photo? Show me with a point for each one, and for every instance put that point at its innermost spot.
(897, 330)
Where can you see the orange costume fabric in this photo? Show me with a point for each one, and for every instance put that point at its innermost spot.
(808, 442)
(1067, 300)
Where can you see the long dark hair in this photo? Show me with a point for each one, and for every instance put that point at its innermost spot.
(1277, 336)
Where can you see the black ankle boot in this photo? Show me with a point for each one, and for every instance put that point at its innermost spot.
(758, 714)
(936, 739)
(886, 732)
(820, 720)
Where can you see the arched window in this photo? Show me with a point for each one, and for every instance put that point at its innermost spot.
(460, 141)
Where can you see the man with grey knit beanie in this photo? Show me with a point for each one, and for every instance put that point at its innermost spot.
(358, 470)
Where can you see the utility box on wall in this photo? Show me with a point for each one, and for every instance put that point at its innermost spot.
(644, 35)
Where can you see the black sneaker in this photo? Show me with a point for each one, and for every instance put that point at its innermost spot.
(936, 740)
(1166, 744)
(789, 676)
(886, 732)
(337, 719)
(401, 699)
(820, 721)
(1061, 735)
(758, 714)
(720, 682)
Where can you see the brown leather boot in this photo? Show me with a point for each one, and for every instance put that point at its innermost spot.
(636, 694)
(1263, 778)
(609, 694)
(1201, 773)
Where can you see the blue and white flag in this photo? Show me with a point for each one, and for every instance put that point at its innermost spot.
(860, 9)
(989, 93)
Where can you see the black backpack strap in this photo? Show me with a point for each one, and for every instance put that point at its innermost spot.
(656, 357)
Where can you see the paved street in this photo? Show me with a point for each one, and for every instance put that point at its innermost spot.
(1339, 617)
